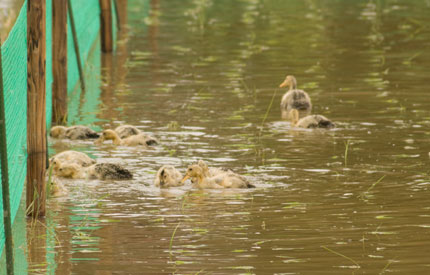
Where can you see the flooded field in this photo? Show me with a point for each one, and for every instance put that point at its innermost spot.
(203, 76)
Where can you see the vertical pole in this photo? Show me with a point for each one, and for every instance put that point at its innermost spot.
(59, 61)
(106, 26)
(7, 215)
(36, 107)
(122, 12)
(118, 15)
(76, 44)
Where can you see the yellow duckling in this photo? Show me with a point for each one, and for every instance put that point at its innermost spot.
(102, 171)
(73, 132)
(213, 171)
(56, 188)
(70, 157)
(125, 131)
(134, 140)
(294, 99)
(311, 121)
(222, 180)
(168, 176)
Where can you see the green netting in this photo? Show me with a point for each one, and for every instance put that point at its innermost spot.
(82, 107)
(19, 230)
(14, 55)
(87, 20)
(49, 76)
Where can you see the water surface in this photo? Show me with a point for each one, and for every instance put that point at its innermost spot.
(201, 75)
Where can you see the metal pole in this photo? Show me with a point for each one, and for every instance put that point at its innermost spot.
(75, 42)
(7, 215)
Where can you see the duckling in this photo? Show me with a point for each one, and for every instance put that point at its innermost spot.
(224, 180)
(56, 188)
(311, 121)
(102, 171)
(125, 131)
(294, 99)
(73, 132)
(135, 140)
(168, 176)
(213, 171)
(70, 157)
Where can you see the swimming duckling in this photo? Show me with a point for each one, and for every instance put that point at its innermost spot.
(294, 99)
(73, 132)
(311, 121)
(56, 188)
(213, 171)
(102, 171)
(70, 157)
(125, 131)
(168, 176)
(135, 140)
(223, 180)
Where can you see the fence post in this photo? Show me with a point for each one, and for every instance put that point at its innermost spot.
(7, 215)
(59, 61)
(121, 13)
(106, 26)
(36, 107)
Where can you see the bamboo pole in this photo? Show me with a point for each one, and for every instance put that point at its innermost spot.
(118, 15)
(36, 107)
(7, 215)
(76, 44)
(59, 61)
(106, 26)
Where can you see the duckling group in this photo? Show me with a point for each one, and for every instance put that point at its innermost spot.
(295, 105)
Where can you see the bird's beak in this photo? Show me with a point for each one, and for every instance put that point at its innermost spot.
(283, 84)
(185, 178)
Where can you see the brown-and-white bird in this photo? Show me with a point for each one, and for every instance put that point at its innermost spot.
(294, 99)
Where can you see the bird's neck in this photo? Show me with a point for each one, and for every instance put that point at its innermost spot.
(116, 139)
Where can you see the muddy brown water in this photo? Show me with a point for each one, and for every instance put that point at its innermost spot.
(201, 75)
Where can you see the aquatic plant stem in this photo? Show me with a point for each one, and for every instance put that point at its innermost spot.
(386, 266)
(346, 152)
(341, 255)
(171, 240)
(268, 109)
(373, 185)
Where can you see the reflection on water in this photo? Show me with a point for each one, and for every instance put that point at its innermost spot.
(200, 75)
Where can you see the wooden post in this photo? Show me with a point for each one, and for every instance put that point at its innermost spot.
(59, 61)
(7, 215)
(36, 107)
(122, 13)
(106, 26)
(76, 44)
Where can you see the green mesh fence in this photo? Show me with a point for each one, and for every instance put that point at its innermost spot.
(49, 76)
(14, 55)
(87, 21)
